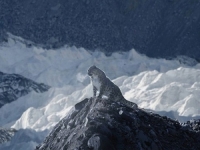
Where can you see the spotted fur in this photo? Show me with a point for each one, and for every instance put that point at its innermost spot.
(106, 87)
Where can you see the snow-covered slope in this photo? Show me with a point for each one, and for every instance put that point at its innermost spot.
(165, 86)
(156, 28)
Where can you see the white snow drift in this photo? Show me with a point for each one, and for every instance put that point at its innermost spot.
(164, 86)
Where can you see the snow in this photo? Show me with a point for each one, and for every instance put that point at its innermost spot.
(175, 90)
(120, 112)
(164, 86)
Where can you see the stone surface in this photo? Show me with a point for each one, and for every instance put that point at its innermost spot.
(13, 86)
(6, 134)
(100, 124)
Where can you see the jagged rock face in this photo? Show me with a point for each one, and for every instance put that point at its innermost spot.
(156, 28)
(106, 125)
(13, 86)
(193, 124)
(6, 134)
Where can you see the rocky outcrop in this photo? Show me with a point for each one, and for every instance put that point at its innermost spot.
(193, 124)
(13, 86)
(6, 134)
(100, 124)
(156, 28)
(24, 139)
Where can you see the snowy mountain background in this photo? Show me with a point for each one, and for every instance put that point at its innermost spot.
(166, 28)
(167, 87)
(168, 83)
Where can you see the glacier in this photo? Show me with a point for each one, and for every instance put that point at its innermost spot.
(167, 87)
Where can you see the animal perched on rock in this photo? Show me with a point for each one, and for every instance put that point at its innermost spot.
(106, 87)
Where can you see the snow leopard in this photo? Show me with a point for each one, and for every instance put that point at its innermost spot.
(106, 87)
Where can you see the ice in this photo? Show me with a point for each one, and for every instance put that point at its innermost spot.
(164, 86)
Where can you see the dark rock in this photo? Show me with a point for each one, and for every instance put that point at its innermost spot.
(23, 136)
(101, 124)
(6, 134)
(13, 86)
(166, 28)
(192, 125)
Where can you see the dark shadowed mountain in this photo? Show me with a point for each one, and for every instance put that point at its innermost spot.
(156, 28)
(98, 124)
(23, 136)
(13, 86)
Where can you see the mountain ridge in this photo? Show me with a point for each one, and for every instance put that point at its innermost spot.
(100, 124)
(6, 134)
(13, 86)
(164, 29)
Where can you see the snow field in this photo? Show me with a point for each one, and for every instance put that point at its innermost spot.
(176, 90)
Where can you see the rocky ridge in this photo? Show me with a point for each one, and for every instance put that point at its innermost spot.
(100, 124)
(6, 134)
(13, 86)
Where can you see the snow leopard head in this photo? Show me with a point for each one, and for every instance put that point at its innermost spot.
(93, 70)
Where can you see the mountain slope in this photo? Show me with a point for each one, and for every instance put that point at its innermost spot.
(13, 86)
(6, 134)
(100, 124)
(156, 28)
